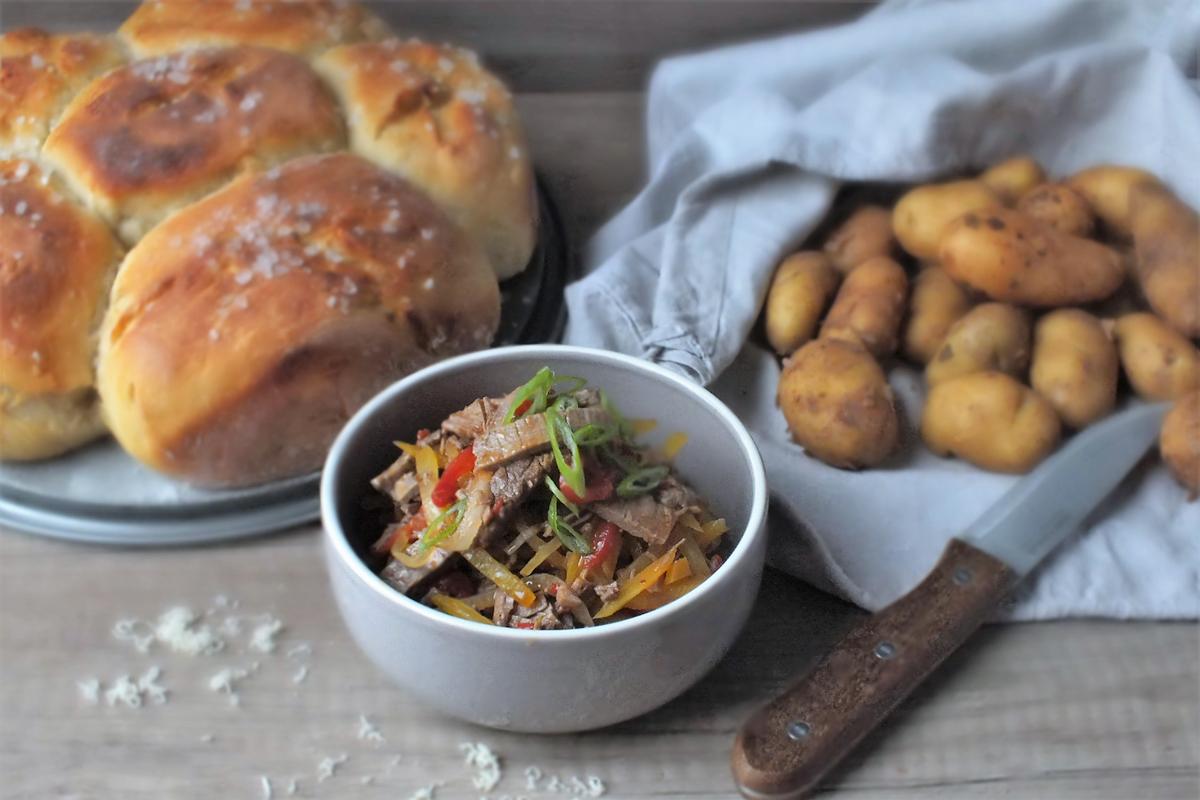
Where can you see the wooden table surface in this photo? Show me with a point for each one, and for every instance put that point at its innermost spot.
(1076, 709)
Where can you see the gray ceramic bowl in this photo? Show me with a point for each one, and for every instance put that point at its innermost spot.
(546, 681)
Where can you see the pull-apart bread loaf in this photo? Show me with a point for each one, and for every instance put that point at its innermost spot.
(56, 265)
(433, 114)
(149, 138)
(246, 329)
(306, 28)
(39, 74)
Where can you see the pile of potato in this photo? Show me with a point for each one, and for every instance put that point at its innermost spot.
(1031, 296)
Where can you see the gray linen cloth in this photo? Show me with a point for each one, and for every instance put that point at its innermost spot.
(747, 147)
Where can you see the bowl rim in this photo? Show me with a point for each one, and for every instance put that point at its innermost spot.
(339, 452)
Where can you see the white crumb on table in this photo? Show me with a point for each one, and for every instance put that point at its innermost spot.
(302, 649)
(300, 675)
(425, 792)
(367, 731)
(293, 786)
(226, 680)
(328, 766)
(267, 791)
(486, 765)
(263, 638)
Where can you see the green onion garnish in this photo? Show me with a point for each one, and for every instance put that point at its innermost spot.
(562, 498)
(560, 433)
(641, 481)
(536, 390)
(593, 434)
(443, 526)
(622, 426)
(566, 533)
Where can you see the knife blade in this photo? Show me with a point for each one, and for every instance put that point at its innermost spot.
(786, 748)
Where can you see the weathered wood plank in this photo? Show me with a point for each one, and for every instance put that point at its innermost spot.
(1074, 709)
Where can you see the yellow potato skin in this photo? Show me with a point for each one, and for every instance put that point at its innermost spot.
(937, 303)
(1166, 240)
(1106, 189)
(990, 420)
(838, 405)
(865, 234)
(921, 215)
(1075, 366)
(799, 293)
(1012, 257)
(1179, 442)
(869, 307)
(1159, 362)
(1013, 177)
(1060, 207)
(991, 337)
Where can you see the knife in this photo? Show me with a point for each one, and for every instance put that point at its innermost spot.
(789, 745)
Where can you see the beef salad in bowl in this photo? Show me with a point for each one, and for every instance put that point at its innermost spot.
(544, 538)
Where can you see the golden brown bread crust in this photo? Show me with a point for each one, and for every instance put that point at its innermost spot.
(39, 74)
(436, 116)
(150, 137)
(246, 328)
(56, 264)
(305, 28)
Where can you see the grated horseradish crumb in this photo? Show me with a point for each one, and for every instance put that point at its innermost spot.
(263, 638)
(479, 757)
(367, 731)
(267, 791)
(329, 766)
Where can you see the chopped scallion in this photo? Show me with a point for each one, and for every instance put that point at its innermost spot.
(641, 481)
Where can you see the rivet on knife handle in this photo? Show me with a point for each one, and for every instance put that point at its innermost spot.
(789, 745)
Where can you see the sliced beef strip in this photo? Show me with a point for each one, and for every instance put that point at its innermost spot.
(502, 609)
(386, 481)
(675, 494)
(472, 421)
(644, 517)
(527, 436)
(607, 591)
(414, 582)
(511, 484)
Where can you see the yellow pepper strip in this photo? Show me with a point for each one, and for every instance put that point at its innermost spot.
(427, 474)
(641, 427)
(540, 555)
(457, 608)
(650, 601)
(573, 568)
(679, 570)
(413, 558)
(710, 532)
(638, 584)
(498, 574)
(695, 557)
(673, 444)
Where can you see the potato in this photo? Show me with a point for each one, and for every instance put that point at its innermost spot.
(1012, 257)
(1106, 190)
(937, 303)
(1060, 207)
(991, 420)
(1075, 366)
(869, 307)
(992, 337)
(921, 216)
(1179, 442)
(1166, 240)
(865, 234)
(799, 294)
(1159, 363)
(838, 404)
(1013, 177)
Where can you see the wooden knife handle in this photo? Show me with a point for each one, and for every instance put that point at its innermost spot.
(789, 745)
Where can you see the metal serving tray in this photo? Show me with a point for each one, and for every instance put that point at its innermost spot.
(101, 494)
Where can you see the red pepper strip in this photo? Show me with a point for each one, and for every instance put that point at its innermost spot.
(524, 624)
(598, 486)
(447, 486)
(521, 409)
(606, 539)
